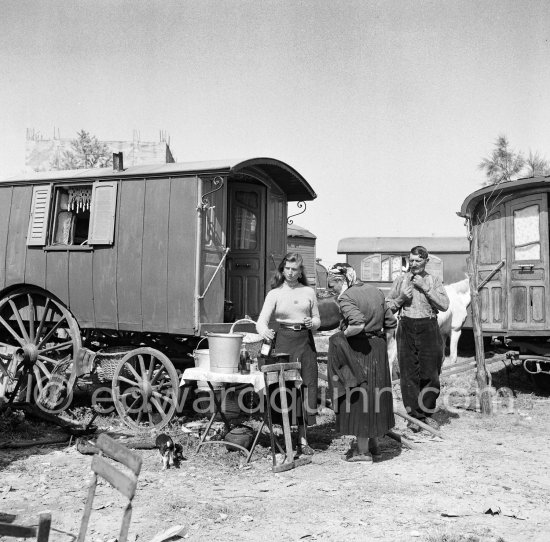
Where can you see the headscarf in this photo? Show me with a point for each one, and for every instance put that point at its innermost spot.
(345, 271)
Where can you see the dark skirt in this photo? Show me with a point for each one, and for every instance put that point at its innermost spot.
(366, 409)
(301, 347)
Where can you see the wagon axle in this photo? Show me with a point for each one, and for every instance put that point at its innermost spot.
(27, 354)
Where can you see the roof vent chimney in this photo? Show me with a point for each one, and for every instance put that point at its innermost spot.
(118, 164)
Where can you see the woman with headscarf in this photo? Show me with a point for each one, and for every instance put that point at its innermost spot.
(293, 304)
(358, 369)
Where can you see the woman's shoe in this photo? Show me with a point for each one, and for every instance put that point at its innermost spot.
(304, 449)
(375, 451)
(357, 457)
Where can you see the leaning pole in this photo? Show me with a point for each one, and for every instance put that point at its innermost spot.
(483, 377)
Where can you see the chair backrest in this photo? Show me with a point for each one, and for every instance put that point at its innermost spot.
(40, 531)
(124, 482)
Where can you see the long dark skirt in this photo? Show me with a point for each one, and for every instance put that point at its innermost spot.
(301, 347)
(366, 409)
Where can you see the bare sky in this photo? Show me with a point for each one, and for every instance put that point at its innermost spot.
(386, 108)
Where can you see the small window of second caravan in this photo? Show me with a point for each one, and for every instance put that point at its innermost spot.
(382, 267)
(386, 267)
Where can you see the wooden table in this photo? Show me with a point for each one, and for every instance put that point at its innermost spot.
(259, 381)
(256, 380)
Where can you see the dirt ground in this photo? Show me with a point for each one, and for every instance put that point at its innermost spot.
(439, 492)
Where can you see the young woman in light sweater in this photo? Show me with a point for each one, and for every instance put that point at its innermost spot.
(293, 305)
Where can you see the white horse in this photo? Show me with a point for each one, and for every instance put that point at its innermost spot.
(451, 321)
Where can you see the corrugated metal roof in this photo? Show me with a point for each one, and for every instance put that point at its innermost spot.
(293, 184)
(355, 245)
(293, 230)
(499, 191)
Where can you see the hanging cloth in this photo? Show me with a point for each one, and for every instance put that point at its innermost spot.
(80, 199)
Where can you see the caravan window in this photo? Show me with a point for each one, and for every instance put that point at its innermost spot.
(382, 267)
(386, 267)
(527, 234)
(246, 221)
(71, 216)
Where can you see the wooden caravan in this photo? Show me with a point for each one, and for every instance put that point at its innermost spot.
(302, 241)
(146, 256)
(510, 221)
(378, 260)
(508, 226)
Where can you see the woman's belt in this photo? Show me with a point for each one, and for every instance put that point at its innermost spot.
(378, 333)
(294, 327)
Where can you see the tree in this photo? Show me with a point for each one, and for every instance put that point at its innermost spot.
(86, 152)
(536, 165)
(503, 164)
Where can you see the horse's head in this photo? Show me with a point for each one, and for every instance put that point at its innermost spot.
(329, 311)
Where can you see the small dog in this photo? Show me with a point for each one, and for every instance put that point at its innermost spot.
(170, 452)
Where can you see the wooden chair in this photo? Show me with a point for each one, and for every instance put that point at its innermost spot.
(281, 373)
(41, 531)
(126, 483)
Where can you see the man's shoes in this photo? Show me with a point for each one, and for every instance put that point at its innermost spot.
(434, 424)
(413, 427)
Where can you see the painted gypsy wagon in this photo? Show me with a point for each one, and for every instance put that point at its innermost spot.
(379, 260)
(145, 259)
(508, 225)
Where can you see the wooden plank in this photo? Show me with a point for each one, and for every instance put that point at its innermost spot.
(104, 285)
(126, 484)
(120, 453)
(5, 206)
(8, 529)
(154, 264)
(518, 298)
(214, 240)
(80, 287)
(44, 525)
(129, 253)
(5, 210)
(87, 509)
(181, 254)
(16, 249)
(276, 233)
(35, 267)
(104, 277)
(126, 517)
(57, 274)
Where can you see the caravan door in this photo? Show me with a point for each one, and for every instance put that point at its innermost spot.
(246, 259)
(527, 235)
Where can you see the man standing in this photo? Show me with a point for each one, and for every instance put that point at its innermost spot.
(419, 296)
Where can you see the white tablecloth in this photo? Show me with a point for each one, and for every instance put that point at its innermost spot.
(197, 373)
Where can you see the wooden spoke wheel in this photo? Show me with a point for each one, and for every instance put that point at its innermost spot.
(145, 388)
(43, 338)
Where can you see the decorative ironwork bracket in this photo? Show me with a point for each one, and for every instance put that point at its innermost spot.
(300, 204)
(217, 183)
(468, 224)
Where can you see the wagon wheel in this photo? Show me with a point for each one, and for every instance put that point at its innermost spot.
(43, 338)
(145, 388)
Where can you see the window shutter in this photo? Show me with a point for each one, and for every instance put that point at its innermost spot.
(102, 213)
(40, 210)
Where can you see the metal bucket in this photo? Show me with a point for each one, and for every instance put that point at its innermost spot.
(202, 360)
(225, 350)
